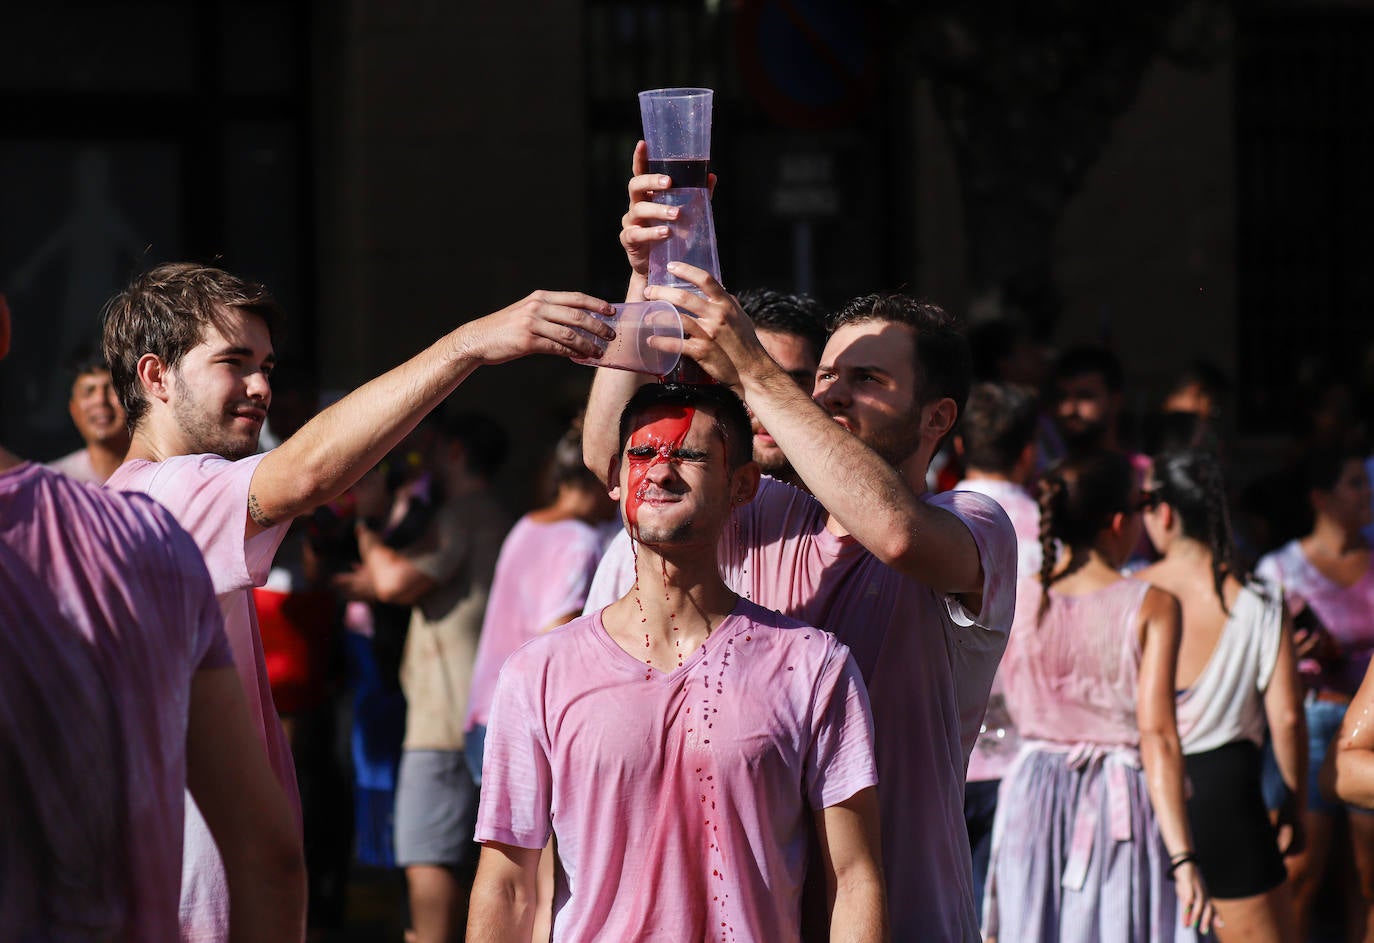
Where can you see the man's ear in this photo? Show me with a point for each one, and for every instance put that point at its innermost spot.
(613, 480)
(957, 442)
(154, 376)
(938, 418)
(744, 483)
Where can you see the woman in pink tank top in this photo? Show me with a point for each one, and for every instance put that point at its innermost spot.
(1091, 841)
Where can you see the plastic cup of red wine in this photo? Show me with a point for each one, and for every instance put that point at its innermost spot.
(634, 323)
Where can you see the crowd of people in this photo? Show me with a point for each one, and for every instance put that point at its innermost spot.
(892, 630)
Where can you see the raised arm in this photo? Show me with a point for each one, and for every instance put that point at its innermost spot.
(335, 448)
(640, 227)
(503, 894)
(1288, 735)
(849, 840)
(868, 497)
(1161, 753)
(246, 811)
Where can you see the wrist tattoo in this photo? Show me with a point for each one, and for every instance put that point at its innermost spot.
(256, 512)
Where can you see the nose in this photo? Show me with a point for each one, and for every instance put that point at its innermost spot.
(831, 392)
(259, 388)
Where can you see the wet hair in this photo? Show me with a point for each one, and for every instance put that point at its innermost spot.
(731, 418)
(1078, 498)
(782, 313)
(1190, 481)
(997, 425)
(165, 312)
(484, 440)
(1088, 360)
(944, 363)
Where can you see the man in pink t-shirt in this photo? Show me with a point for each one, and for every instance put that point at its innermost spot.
(920, 588)
(190, 350)
(680, 744)
(116, 691)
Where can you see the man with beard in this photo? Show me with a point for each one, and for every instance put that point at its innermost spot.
(1087, 389)
(190, 350)
(792, 329)
(679, 744)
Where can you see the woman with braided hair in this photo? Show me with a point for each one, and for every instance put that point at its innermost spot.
(1236, 671)
(1091, 840)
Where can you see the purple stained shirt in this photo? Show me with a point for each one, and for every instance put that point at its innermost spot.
(208, 495)
(106, 613)
(681, 801)
(929, 666)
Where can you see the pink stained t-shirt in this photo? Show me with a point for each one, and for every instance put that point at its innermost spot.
(1346, 611)
(929, 666)
(542, 574)
(106, 613)
(208, 495)
(681, 802)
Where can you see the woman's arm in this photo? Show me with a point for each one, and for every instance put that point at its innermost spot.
(1288, 736)
(1160, 750)
(1355, 749)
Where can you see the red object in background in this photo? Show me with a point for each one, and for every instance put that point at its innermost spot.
(297, 631)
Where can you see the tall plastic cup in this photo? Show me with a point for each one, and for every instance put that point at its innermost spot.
(635, 322)
(677, 131)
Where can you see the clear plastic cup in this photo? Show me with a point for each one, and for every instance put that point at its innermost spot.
(691, 239)
(635, 322)
(677, 127)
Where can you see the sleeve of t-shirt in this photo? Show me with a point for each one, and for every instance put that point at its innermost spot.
(995, 538)
(566, 589)
(517, 779)
(208, 496)
(840, 761)
(615, 574)
(760, 550)
(449, 554)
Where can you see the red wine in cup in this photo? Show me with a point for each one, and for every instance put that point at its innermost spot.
(685, 173)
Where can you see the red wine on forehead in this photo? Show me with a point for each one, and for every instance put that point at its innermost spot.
(685, 173)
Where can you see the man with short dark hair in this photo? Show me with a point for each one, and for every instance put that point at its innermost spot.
(190, 350)
(678, 744)
(1087, 385)
(100, 421)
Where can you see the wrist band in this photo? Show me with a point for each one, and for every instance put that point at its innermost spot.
(1179, 860)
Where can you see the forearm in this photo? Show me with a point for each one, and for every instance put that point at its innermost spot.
(1288, 738)
(267, 894)
(500, 912)
(859, 913)
(335, 448)
(611, 390)
(868, 497)
(394, 578)
(1355, 775)
(1162, 757)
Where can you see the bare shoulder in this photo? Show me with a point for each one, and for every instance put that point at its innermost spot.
(1160, 605)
